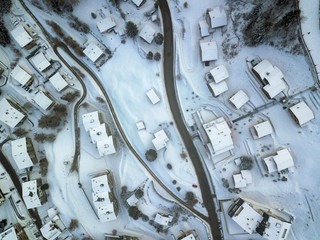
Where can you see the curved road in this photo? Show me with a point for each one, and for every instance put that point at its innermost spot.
(170, 85)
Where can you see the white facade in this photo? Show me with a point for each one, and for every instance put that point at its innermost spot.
(101, 198)
(218, 17)
(219, 73)
(106, 24)
(20, 75)
(161, 140)
(9, 234)
(239, 99)
(90, 120)
(280, 161)
(43, 100)
(140, 125)
(204, 28)
(93, 52)
(276, 229)
(9, 114)
(209, 50)
(40, 62)
(243, 179)
(20, 153)
(106, 146)
(50, 231)
(153, 96)
(219, 88)
(21, 36)
(30, 194)
(163, 219)
(147, 33)
(263, 129)
(58, 82)
(302, 113)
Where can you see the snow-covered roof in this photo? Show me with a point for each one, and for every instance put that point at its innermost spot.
(219, 73)
(138, 2)
(153, 96)
(219, 134)
(204, 28)
(280, 161)
(163, 219)
(147, 33)
(43, 100)
(50, 231)
(188, 237)
(90, 120)
(106, 24)
(219, 88)
(209, 50)
(302, 113)
(218, 17)
(161, 139)
(30, 194)
(58, 82)
(276, 229)
(9, 234)
(98, 133)
(132, 200)
(40, 61)
(20, 153)
(242, 179)
(239, 99)
(106, 146)
(101, 198)
(140, 125)
(20, 75)
(21, 36)
(9, 114)
(93, 52)
(263, 129)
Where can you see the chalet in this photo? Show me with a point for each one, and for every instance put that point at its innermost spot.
(204, 28)
(282, 160)
(219, 73)
(58, 82)
(147, 33)
(217, 89)
(218, 17)
(106, 146)
(40, 62)
(262, 129)
(98, 133)
(160, 140)
(242, 179)
(91, 120)
(43, 100)
(9, 234)
(301, 113)
(32, 194)
(22, 37)
(103, 198)
(239, 99)
(163, 219)
(21, 76)
(93, 52)
(50, 231)
(23, 153)
(106, 24)
(209, 51)
(187, 236)
(11, 113)
(153, 96)
(138, 3)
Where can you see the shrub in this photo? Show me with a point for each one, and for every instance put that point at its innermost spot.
(74, 224)
(4, 35)
(70, 96)
(19, 132)
(134, 212)
(48, 121)
(60, 110)
(93, 15)
(190, 198)
(5, 6)
(246, 163)
(157, 56)
(158, 39)
(41, 137)
(169, 166)
(150, 55)
(185, 5)
(151, 155)
(139, 193)
(45, 187)
(131, 29)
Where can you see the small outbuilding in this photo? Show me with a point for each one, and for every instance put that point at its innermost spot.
(280, 161)
(218, 17)
(140, 125)
(239, 99)
(219, 73)
(93, 52)
(204, 28)
(153, 96)
(106, 24)
(209, 51)
(301, 113)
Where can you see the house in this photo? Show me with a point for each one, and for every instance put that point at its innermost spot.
(153, 96)
(103, 198)
(219, 135)
(32, 194)
(11, 113)
(239, 99)
(140, 125)
(106, 25)
(218, 17)
(21, 76)
(132, 200)
(301, 113)
(160, 140)
(40, 62)
(138, 3)
(209, 51)
(242, 179)
(98, 133)
(219, 73)
(254, 220)
(280, 161)
(218, 89)
(58, 82)
(262, 129)
(147, 33)
(204, 28)
(9, 234)
(93, 52)
(50, 231)
(22, 37)
(106, 146)
(163, 219)
(187, 236)
(23, 153)
(271, 77)
(43, 100)
(90, 120)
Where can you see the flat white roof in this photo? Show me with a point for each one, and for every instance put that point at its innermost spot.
(58, 82)
(20, 153)
(239, 99)
(140, 125)
(147, 33)
(90, 120)
(106, 146)
(204, 28)
(137, 2)
(98, 133)
(219, 73)
(219, 88)
(280, 161)
(263, 129)
(40, 61)
(218, 17)
(42, 100)
(93, 52)
(276, 229)
(153, 96)
(20, 75)
(302, 112)
(163, 219)
(50, 231)
(21, 36)
(209, 50)
(106, 24)
(9, 234)
(30, 194)
(9, 115)
(161, 139)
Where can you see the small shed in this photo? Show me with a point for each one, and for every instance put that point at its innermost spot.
(140, 125)
(239, 99)
(153, 96)
(204, 28)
